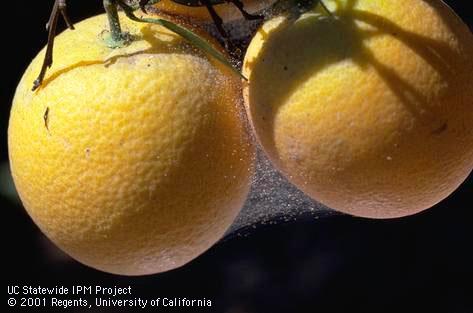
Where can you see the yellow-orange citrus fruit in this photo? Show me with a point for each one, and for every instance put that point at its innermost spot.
(133, 160)
(369, 111)
(227, 11)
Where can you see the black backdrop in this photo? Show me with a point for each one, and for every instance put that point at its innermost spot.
(421, 263)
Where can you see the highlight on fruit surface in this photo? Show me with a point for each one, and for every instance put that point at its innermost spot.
(133, 160)
(370, 110)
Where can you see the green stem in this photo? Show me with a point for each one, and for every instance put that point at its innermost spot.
(185, 33)
(117, 37)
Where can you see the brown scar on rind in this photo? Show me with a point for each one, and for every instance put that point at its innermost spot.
(46, 118)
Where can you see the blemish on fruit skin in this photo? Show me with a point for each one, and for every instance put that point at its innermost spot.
(46, 118)
(87, 153)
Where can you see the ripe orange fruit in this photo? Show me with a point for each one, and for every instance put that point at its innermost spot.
(133, 160)
(370, 111)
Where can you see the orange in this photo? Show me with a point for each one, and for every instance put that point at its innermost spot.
(132, 160)
(369, 111)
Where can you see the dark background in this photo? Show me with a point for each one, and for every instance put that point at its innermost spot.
(422, 263)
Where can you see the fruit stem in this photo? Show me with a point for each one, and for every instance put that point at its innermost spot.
(117, 37)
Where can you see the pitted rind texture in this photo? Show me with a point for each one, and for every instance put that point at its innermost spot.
(145, 160)
(370, 111)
